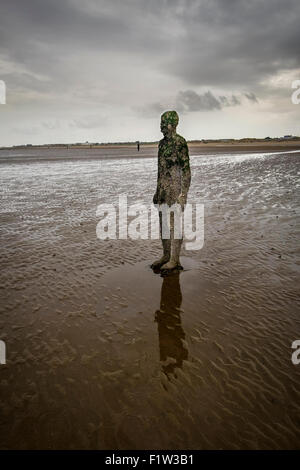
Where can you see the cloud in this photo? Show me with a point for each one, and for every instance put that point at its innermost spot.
(89, 122)
(205, 43)
(149, 110)
(251, 97)
(51, 125)
(191, 101)
(69, 58)
(27, 130)
(236, 42)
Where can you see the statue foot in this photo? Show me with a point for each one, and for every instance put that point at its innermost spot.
(158, 263)
(170, 265)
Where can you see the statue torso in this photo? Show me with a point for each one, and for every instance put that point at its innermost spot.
(169, 181)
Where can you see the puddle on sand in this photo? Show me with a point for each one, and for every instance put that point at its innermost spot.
(135, 293)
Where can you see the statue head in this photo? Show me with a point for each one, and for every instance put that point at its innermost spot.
(168, 123)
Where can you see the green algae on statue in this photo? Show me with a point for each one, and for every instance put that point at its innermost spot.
(173, 182)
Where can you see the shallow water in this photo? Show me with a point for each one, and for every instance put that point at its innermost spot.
(103, 353)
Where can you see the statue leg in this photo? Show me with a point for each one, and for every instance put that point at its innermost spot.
(175, 252)
(166, 243)
(176, 243)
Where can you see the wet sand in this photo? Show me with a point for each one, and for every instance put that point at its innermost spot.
(103, 353)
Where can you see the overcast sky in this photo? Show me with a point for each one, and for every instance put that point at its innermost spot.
(105, 70)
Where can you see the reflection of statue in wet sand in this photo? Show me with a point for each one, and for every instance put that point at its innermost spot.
(173, 182)
(170, 332)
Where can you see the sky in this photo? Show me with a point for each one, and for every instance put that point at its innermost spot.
(105, 70)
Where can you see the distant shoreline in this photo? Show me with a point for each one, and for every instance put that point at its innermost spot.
(129, 151)
(204, 144)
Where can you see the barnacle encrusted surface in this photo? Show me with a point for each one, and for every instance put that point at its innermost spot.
(174, 174)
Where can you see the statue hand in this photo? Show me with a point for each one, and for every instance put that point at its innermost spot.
(181, 199)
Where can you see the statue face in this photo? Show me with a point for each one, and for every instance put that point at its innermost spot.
(169, 121)
(165, 127)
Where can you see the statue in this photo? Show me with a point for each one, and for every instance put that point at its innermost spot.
(173, 182)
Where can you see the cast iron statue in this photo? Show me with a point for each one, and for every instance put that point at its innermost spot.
(173, 182)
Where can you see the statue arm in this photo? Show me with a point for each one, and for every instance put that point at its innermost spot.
(155, 197)
(186, 171)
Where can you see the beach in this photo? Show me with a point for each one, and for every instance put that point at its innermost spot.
(104, 354)
(108, 151)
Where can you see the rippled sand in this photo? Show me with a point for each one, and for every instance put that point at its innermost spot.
(102, 353)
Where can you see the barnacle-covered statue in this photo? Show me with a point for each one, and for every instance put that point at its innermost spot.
(173, 182)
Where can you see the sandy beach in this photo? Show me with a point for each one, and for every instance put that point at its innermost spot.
(101, 352)
(91, 152)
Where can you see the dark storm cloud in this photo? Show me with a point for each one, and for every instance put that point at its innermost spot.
(191, 101)
(41, 32)
(251, 97)
(133, 55)
(236, 41)
(64, 43)
(232, 100)
(204, 42)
